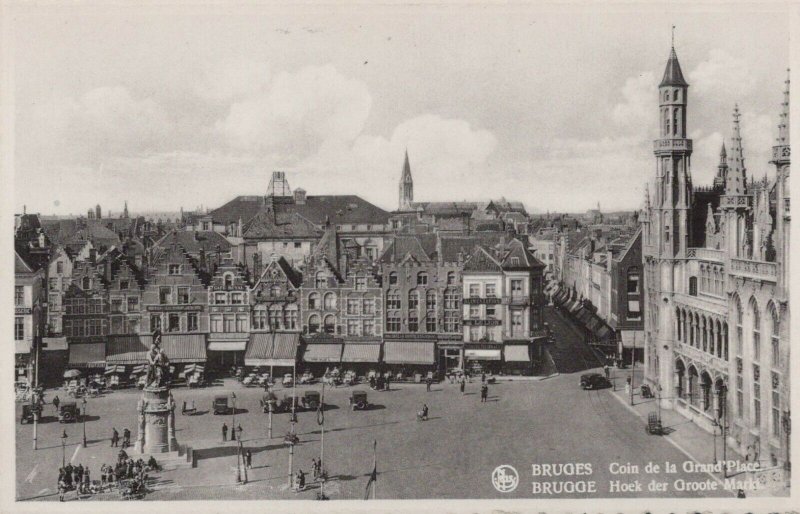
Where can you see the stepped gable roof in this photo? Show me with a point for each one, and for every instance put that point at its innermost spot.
(482, 261)
(673, 76)
(294, 277)
(194, 241)
(338, 210)
(240, 208)
(269, 224)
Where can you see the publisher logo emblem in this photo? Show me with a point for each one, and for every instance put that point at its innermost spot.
(505, 478)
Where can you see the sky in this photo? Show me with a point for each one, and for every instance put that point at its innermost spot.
(552, 106)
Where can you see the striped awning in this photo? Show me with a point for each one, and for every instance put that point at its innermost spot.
(54, 343)
(87, 355)
(517, 353)
(129, 349)
(272, 349)
(227, 346)
(323, 353)
(184, 347)
(361, 352)
(408, 352)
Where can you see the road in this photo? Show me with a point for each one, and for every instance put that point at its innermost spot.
(570, 354)
(450, 456)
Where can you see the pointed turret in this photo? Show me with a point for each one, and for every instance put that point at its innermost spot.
(722, 170)
(406, 186)
(125, 211)
(783, 125)
(673, 76)
(735, 183)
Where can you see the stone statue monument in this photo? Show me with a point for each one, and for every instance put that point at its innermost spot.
(156, 407)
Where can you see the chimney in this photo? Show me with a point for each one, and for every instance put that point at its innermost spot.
(300, 196)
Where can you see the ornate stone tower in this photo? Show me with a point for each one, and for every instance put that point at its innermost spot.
(722, 170)
(736, 203)
(668, 227)
(406, 187)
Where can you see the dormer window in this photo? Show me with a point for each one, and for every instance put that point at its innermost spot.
(87, 283)
(174, 269)
(228, 280)
(320, 280)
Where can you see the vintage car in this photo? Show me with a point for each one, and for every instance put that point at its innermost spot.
(288, 380)
(594, 381)
(285, 405)
(310, 400)
(28, 410)
(654, 426)
(307, 378)
(68, 412)
(358, 400)
(220, 405)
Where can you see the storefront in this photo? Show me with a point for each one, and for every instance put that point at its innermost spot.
(631, 345)
(362, 357)
(318, 357)
(410, 359)
(274, 350)
(226, 349)
(517, 359)
(88, 357)
(22, 361)
(483, 358)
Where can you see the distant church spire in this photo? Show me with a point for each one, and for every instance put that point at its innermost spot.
(406, 186)
(125, 211)
(722, 169)
(737, 173)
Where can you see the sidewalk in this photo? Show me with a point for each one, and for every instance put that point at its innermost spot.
(692, 440)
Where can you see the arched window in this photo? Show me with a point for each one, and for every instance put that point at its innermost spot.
(739, 327)
(330, 301)
(413, 299)
(87, 283)
(678, 323)
(313, 324)
(228, 280)
(666, 96)
(756, 331)
(430, 300)
(393, 278)
(775, 336)
(393, 299)
(693, 286)
(313, 301)
(675, 113)
(704, 330)
(451, 278)
(330, 324)
(320, 280)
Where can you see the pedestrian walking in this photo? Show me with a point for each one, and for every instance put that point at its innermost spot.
(314, 468)
(239, 432)
(388, 379)
(628, 385)
(56, 401)
(62, 488)
(248, 459)
(483, 378)
(428, 382)
(607, 371)
(484, 393)
(114, 437)
(224, 432)
(462, 384)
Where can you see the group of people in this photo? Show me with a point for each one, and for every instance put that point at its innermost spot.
(300, 476)
(78, 478)
(126, 438)
(238, 429)
(379, 383)
(75, 478)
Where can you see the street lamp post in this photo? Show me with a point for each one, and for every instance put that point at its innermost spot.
(84, 422)
(64, 449)
(233, 425)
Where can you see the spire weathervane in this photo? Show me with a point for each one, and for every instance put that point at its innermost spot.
(673, 36)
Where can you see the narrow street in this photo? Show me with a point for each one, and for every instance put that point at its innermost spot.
(570, 353)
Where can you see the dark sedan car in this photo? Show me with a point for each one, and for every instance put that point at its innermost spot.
(594, 381)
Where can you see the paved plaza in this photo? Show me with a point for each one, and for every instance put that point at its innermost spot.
(450, 456)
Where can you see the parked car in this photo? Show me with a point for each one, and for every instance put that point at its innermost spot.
(311, 400)
(594, 381)
(220, 405)
(68, 412)
(358, 400)
(288, 380)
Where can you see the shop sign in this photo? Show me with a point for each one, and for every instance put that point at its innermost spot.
(482, 322)
(481, 301)
(22, 310)
(174, 308)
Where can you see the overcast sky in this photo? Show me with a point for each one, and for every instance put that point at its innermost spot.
(558, 110)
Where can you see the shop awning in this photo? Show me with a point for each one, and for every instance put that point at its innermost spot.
(480, 354)
(184, 347)
(517, 353)
(361, 352)
(51, 344)
(227, 346)
(87, 355)
(583, 316)
(272, 349)
(632, 338)
(574, 306)
(408, 352)
(21, 347)
(129, 349)
(323, 353)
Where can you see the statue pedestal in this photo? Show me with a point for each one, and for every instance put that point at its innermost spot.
(156, 422)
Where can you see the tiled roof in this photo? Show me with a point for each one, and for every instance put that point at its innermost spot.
(515, 249)
(241, 207)
(20, 266)
(339, 209)
(480, 260)
(270, 224)
(421, 246)
(193, 241)
(447, 208)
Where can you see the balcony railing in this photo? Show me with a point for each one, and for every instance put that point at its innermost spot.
(755, 269)
(708, 254)
(781, 153)
(672, 144)
(732, 201)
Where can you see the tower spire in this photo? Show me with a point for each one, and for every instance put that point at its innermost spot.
(406, 186)
(673, 76)
(783, 125)
(737, 172)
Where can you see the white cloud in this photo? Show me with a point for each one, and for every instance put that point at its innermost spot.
(232, 79)
(298, 113)
(638, 110)
(722, 72)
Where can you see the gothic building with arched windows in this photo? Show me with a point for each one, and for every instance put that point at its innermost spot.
(716, 285)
